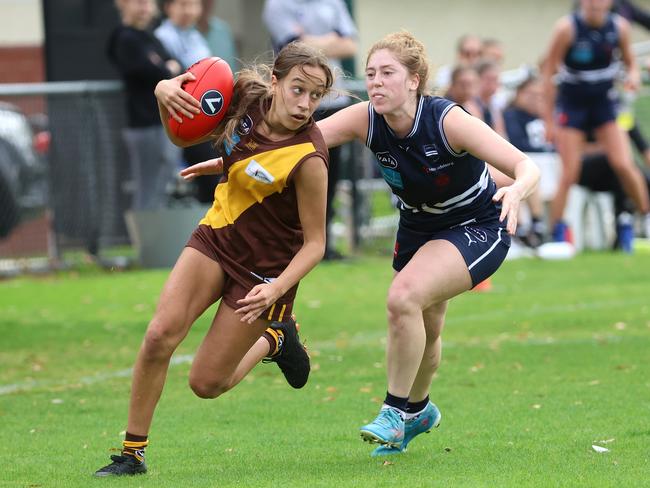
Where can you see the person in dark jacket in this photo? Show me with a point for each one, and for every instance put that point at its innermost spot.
(142, 62)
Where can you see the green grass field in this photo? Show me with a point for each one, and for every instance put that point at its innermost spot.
(554, 359)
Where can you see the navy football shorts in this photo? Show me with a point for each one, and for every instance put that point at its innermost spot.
(483, 246)
(586, 113)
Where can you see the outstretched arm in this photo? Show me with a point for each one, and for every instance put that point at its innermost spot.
(208, 167)
(633, 78)
(467, 133)
(345, 125)
(561, 39)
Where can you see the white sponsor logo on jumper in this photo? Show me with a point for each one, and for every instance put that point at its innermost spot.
(256, 171)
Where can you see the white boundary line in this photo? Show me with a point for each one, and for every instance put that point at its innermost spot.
(378, 337)
(85, 380)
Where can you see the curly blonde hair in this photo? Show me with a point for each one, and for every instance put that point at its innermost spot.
(409, 52)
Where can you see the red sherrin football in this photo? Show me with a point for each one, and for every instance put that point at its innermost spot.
(213, 88)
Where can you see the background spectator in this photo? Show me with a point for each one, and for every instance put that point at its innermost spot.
(327, 25)
(179, 35)
(178, 32)
(469, 50)
(142, 62)
(493, 51)
(525, 130)
(488, 86)
(218, 35)
(463, 89)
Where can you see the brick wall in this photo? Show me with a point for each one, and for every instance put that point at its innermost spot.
(22, 64)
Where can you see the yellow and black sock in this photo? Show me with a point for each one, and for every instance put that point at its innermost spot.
(134, 446)
(275, 338)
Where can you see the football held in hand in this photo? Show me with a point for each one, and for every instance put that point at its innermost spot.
(212, 87)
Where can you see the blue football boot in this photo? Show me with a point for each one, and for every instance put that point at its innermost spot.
(387, 429)
(428, 419)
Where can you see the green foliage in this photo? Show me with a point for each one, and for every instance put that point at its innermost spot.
(552, 360)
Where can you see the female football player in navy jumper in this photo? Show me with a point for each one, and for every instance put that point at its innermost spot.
(454, 228)
(454, 224)
(583, 50)
(264, 232)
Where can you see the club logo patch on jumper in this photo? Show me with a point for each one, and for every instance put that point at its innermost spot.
(582, 52)
(245, 125)
(386, 159)
(256, 171)
(430, 151)
(212, 102)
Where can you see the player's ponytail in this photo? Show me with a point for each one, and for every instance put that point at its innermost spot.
(253, 85)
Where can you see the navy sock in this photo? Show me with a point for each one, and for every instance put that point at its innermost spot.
(396, 402)
(414, 407)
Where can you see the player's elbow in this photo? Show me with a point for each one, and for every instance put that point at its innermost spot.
(316, 247)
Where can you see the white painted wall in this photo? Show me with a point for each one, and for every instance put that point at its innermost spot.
(21, 23)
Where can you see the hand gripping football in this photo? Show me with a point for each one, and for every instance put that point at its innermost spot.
(213, 88)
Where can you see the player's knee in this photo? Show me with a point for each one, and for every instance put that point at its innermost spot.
(208, 389)
(401, 300)
(159, 340)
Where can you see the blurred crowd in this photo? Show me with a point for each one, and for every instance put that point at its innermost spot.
(519, 112)
(516, 113)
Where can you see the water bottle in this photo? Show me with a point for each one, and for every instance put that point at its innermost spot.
(625, 231)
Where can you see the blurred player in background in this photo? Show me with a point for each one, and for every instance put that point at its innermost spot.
(583, 51)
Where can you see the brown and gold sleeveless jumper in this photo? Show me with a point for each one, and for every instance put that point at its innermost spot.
(253, 228)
